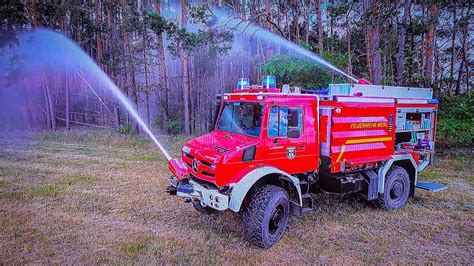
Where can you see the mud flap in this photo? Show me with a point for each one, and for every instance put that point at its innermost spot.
(373, 182)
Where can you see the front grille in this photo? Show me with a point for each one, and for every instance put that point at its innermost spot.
(208, 174)
(203, 183)
(207, 164)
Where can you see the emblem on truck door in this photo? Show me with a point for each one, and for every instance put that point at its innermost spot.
(291, 152)
(195, 165)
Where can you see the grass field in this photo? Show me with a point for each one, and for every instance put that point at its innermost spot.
(96, 197)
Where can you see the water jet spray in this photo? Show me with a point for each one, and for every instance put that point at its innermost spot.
(250, 29)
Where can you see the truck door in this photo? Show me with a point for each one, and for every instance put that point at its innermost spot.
(286, 139)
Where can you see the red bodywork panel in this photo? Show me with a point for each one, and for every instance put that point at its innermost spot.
(361, 133)
(355, 133)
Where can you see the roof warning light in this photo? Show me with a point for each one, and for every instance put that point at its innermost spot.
(243, 83)
(269, 82)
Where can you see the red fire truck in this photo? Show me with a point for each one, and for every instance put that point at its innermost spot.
(271, 148)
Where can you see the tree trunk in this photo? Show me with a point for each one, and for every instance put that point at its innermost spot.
(320, 25)
(348, 39)
(296, 25)
(268, 26)
(287, 24)
(185, 67)
(145, 69)
(67, 105)
(46, 104)
(368, 41)
(111, 49)
(453, 53)
(52, 113)
(430, 43)
(401, 42)
(98, 36)
(369, 51)
(306, 9)
(458, 81)
(116, 116)
(131, 65)
(464, 49)
(374, 35)
(331, 31)
(410, 60)
(163, 71)
(422, 42)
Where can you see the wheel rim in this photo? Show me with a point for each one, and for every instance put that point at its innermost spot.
(397, 190)
(276, 219)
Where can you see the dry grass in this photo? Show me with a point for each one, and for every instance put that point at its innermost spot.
(95, 197)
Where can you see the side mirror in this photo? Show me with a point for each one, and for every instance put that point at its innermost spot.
(294, 133)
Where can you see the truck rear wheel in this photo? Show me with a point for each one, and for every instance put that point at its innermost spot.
(201, 208)
(396, 190)
(266, 216)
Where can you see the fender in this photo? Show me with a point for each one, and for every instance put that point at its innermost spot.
(384, 169)
(241, 188)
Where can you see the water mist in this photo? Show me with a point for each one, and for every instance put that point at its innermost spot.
(45, 52)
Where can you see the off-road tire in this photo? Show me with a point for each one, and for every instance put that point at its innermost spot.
(396, 189)
(203, 209)
(266, 217)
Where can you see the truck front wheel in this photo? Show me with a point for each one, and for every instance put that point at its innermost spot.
(397, 188)
(266, 216)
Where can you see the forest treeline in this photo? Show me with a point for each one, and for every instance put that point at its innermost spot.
(171, 59)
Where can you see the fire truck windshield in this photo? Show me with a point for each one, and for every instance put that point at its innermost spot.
(241, 118)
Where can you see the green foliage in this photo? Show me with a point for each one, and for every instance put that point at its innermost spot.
(200, 14)
(336, 11)
(174, 126)
(216, 40)
(298, 71)
(127, 129)
(159, 24)
(455, 122)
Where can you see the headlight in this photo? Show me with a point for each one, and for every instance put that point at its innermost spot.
(185, 149)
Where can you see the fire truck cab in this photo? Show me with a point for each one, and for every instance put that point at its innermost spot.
(271, 148)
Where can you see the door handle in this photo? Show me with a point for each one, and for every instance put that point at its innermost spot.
(301, 146)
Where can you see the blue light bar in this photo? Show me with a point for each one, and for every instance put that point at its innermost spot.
(269, 82)
(243, 83)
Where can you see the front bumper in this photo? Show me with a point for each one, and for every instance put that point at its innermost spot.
(190, 189)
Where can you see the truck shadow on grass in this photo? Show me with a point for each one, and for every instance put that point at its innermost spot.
(227, 225)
